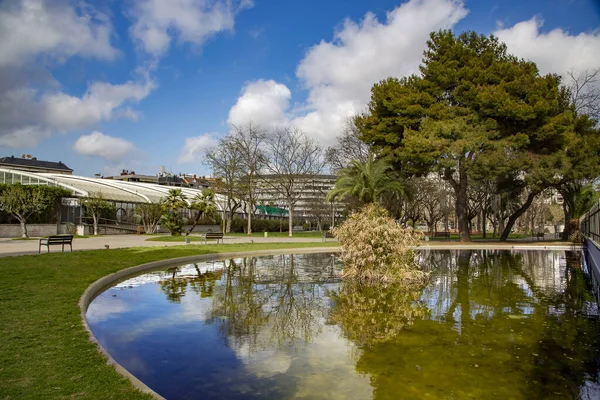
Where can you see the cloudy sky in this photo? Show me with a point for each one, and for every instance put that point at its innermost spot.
(103, 86)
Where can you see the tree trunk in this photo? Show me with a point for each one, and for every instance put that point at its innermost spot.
(194, 224)
(291, 220)
(484, 222)
(513, 218)
(228, 224)
(462, 204)
(95, 218)
(23, 228)
(249, 210)
(568, 212)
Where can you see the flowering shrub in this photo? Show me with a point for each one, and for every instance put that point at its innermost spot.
(375, 248)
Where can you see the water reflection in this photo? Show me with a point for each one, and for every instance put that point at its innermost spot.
(373, 314)
(490, 324)
(496, 330)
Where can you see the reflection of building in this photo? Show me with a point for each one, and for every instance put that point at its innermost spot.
(32, 164)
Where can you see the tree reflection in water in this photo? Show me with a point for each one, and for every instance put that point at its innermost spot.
(494, 333)
(370, 314)
(268, 306)
(203, 284)
(491, 324)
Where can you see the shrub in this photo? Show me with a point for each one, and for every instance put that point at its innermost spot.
(374, 248)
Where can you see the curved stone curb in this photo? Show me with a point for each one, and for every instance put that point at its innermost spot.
(498, 246)
(103, 283)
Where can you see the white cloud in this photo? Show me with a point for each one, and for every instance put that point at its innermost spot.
(98, 144)
(339, 74)
(64, 112)
(33, 106)
(29, 28)
(191, 21)
(27, 116)
(195, 147)
(556, 51)
(262, 102)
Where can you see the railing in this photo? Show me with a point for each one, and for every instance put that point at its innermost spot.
(105, 224)
(590, 223)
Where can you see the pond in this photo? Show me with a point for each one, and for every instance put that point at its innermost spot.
(490, 325)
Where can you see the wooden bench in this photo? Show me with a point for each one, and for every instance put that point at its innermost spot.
(56, 240)
(441, 235)
(213, 235)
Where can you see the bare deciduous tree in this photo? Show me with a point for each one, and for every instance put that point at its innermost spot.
(225, 160)
(293, 161)
(249, 141)
(585, 91)
(348, 147)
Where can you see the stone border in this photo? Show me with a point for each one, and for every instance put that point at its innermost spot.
(104, 283)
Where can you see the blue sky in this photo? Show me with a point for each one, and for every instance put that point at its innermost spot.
(104, 86)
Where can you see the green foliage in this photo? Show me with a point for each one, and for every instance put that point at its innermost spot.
(367, 181)
(203, 206)
(474, 110)
(150, 214)
(238, 225)
(96, 206)
(172, 219)
(25, 201)
(377, 249)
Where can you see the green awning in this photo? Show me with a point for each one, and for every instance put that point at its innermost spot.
(270, 210)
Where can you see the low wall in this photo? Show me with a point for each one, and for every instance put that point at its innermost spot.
(35, 230)
(197, 229)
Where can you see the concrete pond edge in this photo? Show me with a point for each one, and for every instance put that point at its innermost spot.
(108, 281)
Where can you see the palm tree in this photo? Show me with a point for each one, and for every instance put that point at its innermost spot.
(369, 181)
(172, 220)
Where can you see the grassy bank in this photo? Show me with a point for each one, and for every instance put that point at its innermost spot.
(45, 352)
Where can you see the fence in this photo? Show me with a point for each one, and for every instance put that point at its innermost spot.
(590, 223)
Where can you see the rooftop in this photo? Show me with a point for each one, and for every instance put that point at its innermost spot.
(34, 162)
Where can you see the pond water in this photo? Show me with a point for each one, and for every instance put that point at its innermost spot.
(489, 325)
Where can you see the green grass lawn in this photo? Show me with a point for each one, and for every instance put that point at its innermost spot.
(45, 352)
(167, 238)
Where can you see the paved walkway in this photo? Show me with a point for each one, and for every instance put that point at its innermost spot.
(9, 247)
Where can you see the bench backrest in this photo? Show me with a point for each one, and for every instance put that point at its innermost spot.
(60, 239)
(214, 235)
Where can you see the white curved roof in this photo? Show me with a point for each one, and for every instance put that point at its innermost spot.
(113, 190)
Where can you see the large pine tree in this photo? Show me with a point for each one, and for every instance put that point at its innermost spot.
(473, 107)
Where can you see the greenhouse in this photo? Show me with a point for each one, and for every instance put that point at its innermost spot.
(111, 190)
